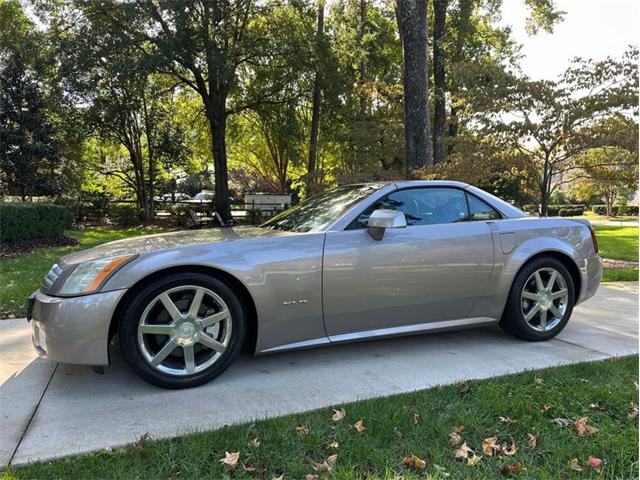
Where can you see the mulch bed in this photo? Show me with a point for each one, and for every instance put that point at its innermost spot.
(618, 264)
(20, 247)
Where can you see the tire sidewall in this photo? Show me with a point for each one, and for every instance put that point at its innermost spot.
(515, 317)
(129, 320)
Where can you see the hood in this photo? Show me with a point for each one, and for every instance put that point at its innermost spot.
(163, 241)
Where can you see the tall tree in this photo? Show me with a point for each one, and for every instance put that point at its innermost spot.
(315, 104)
(439, 27)
(412, 24)
(29, 155)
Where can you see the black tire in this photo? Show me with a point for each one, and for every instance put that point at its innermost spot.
(134, 309)
(513, 319)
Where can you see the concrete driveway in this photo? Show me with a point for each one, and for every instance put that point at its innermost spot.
(49, 411)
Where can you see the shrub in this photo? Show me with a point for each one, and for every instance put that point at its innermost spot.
(616, 210)
(24, 221)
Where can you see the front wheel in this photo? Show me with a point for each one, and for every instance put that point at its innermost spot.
(540, 301)
(182, 331)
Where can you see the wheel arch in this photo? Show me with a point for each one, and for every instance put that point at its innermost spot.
(563, 258)
(233, 282)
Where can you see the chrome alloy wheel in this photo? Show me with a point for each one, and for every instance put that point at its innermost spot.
(544, 299)
(184, 330)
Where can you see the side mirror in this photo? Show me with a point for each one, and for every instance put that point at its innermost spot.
(380, 220)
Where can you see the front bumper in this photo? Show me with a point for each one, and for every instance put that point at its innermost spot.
(73, 329)
(590, 276)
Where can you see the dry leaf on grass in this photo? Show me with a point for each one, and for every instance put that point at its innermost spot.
(278, 478)
(575, 465)
(311, 476)
(415, 418)
(338, 415)
(302, 430)
(473, 460)
(595, 463)
(463, 452)
(255, 443)
(333, 445)
(633, 410)
(489, 445)
(463, 388)
(509, 450)
(545, 409)
(230, 460)
(359, 426)
(327, 465)
(454, 437)
(511, 468)
(414, 462)
(583, 428)
(508, 420)
(532, 441)
(538, 379)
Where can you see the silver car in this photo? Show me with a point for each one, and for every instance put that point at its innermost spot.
(359, 262)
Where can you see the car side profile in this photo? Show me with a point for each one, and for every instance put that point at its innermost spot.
(358, 262)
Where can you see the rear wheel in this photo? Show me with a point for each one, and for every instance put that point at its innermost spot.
(182, 331)
(540, 301)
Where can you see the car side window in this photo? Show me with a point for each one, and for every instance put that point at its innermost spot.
(421, 206)
(479, 210)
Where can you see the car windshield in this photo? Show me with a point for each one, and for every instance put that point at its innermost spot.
(317, 212)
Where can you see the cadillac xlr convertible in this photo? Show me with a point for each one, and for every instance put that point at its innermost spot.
(358, 262)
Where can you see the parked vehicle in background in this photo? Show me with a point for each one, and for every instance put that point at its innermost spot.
(203, 196)
(358, 262)
(171, 198)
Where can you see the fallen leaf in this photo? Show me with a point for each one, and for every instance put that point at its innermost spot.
(595, 463)
(596, 406)
(230, 460)
(582, 427)
(575, 465)
(613, 359)
(415, 462)
(473, 460)
(509, 450)
(635, 382)
(302, 430)
(278, 478)
(248, 468)
(359, 426)
(311, 476)
(463, 452)
(255, 443)
(532, 441)
(333, 445)
(454, 437)
(415, 418)
(512, 468)
(327, 465)
(463, 388)
(545, 409)
(562, 422)
(633, 410)
(538, 379)
(338, 415)
(508, 421)
(489, 445)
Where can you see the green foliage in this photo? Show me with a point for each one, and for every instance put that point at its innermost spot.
(124, 215)
(615, 210)
(194, 184)
(29, 153)
(24, 221)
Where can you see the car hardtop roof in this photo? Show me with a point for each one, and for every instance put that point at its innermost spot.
(418, 183)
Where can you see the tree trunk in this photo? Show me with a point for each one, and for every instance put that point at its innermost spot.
(412, 23)
(362, 111)
(217, 116)
(440, 16)
(453, 128)
(315, 108)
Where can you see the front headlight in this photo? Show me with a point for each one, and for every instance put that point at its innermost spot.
(89, 276)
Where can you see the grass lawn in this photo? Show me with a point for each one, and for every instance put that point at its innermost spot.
(514, 408)
(21, 275)
(620, 243)
(621, 218)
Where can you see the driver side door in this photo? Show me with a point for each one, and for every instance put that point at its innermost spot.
(433, 270)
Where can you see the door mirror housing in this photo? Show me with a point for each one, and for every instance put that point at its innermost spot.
(382, 219)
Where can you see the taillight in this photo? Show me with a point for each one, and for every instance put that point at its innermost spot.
(594, 239)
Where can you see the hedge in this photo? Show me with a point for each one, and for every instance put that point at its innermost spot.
(23, 221)
(561, 210)
(616, 210)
